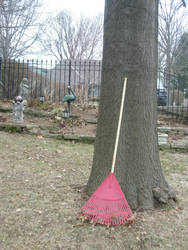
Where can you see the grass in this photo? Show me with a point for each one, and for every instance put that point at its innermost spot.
(41, 183)
(174, 162)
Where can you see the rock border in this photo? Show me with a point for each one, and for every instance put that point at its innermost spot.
(51, 132)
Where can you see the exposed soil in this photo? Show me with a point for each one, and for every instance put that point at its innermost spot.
(170, 122)
(80, 123)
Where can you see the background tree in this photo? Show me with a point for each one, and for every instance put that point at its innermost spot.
(184, 3)
(181, 65)
(130, 49)
(18, 27)
(66, 38)
(171, 28)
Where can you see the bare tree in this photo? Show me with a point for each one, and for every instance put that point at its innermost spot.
(181, 56)
(171, 17)
(18, 26)
(70, 39)
(184, 3)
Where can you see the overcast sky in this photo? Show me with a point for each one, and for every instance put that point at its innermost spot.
(87, 7)
(77, 7)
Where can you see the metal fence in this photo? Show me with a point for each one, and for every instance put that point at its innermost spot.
(172, 94)
(50, 79)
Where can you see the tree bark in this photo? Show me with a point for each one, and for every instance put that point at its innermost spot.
(130, 49)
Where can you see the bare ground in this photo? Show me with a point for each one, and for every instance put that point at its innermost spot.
(75, 125)
(83, 121)
(41, 191)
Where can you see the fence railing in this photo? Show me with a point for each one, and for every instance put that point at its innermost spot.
(172, 94)
(51, 78)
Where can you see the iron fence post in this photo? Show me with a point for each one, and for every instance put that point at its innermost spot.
(70, 73)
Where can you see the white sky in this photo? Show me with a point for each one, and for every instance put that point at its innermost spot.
(77, 7)
(87, 7)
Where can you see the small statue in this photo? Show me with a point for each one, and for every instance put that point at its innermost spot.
(18, 108)
(24, 89)
(20, 101)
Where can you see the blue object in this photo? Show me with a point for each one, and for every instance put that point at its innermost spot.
(162, 97)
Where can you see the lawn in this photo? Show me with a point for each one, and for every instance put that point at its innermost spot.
(41, 189)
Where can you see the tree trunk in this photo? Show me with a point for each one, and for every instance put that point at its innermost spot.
(130, 49)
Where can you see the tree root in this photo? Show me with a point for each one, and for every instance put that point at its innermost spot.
(164, 196)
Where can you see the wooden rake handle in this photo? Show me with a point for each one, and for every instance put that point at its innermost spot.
(119, 125)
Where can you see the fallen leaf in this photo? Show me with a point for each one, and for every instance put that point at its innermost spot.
(40, 137)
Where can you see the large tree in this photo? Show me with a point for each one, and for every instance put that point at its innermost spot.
(130, 49)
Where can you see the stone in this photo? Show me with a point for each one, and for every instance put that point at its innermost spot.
(58, 118)
(24, 89)
(20, 101)
(162, 138)
(18, 109)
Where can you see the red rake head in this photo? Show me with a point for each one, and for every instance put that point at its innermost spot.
(108, 204)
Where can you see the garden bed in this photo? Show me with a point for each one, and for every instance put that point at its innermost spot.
(45, 119)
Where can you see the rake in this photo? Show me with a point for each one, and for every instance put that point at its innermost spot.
(108, 205)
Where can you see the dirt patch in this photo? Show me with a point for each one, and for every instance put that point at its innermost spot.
(47, 117)
(168, 121)
(82, 122)
(42, 183)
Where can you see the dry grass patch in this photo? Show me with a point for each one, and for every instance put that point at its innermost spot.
(41, 190)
